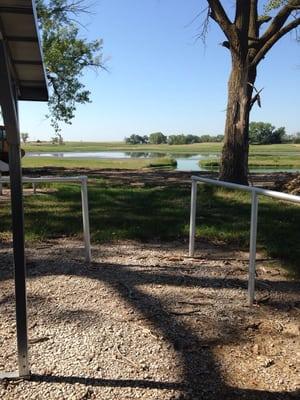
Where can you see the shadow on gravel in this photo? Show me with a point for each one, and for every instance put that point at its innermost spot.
(201, 377)
(133, 383)
(162, 279)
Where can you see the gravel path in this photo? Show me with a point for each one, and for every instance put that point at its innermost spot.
(147, 322)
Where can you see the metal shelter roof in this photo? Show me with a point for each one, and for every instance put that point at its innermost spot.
(18, 26)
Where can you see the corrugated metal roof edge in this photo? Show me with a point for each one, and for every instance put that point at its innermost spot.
(37, 92)
(40, 46)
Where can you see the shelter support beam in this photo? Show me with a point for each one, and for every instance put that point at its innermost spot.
(8, 103)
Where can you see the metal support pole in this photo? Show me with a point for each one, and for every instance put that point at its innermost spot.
(85, 219)
(193, 218)
(19, 257)
(252, 255)
(8, 101)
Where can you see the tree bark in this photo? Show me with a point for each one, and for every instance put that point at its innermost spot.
(247, 49)
(234, 160)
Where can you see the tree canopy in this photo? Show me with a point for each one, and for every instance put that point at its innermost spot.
(182, 139)
(265, 133)
(66, 56)
(157, 138)
(136, 139)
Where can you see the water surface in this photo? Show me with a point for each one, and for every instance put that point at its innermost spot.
(185, 161)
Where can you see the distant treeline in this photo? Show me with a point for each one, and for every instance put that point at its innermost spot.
(259, 133)
(160, 138)
(266, 133)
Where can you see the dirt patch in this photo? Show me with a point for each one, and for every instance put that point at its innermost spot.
(144, 321)
(293, 185)
(154, 176)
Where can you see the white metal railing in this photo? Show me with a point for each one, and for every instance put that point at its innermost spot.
(255, 192)
(84, 201)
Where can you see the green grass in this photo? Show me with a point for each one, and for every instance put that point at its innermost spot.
(121, 146)
(161, 213)
(96, 163)
(262, 161)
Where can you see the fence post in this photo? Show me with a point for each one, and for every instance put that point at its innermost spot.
(34, 187)
(193, 218)
(1, 187)
(85, 219)
(252, 252)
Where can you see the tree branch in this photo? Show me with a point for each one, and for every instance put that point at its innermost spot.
(242, 16)
(253, 31)
(280, 19)
(270, 43)
(219, 15)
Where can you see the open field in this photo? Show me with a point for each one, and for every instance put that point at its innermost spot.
(154, 206)
(121, 146)
(261, 156)
(262, 161)
(91, 163)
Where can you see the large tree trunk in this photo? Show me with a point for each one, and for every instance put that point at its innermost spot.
(234, 160)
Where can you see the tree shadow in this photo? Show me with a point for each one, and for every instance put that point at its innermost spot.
(226, 213)
(159, 211)
(201, 377)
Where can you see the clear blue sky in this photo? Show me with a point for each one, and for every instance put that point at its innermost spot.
(162, 79)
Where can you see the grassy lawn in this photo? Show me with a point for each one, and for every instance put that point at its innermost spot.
(262, 161)
(96, 163)
(161, 213)
(121, 146)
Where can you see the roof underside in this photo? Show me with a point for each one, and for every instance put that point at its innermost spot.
(19, 29)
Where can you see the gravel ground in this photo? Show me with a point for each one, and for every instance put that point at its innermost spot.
(143, 321)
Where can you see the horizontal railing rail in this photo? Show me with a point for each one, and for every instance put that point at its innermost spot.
(84, 201)
(255, 192)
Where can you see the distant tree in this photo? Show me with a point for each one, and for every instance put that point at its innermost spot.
(288, 138)
(54, 140)
(205, 138)
(219, 138)
(136, 139)
(145, 139)
(57, 139)
(157, 138)
(190, 139)
(296, 138)
(265, 133)
(177, 139)
(24, 137)
(172, 139)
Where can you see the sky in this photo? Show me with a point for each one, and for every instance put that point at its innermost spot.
(162, 78)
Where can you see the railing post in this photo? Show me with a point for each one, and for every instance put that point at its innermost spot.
(193, 218)
(85, 219)
(252, 252)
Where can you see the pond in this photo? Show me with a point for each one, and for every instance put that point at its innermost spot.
(185, 161)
